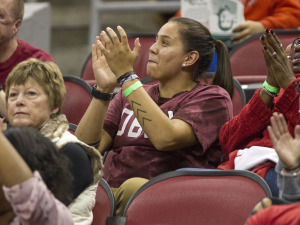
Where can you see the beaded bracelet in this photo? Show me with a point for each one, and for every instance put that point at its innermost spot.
(273, 95)
(124, 76)
(129, 78)
(132, 88)
(270, 88)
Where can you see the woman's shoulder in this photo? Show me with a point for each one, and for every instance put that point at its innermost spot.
(209, 89)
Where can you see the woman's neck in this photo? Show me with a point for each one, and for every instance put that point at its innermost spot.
(170, 88)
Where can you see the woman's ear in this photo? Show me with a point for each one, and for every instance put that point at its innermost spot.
(191, 58)
(54, 111)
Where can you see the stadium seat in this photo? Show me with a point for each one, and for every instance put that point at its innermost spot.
(87, 69)
(195, 197)
(247, 60)
(77, 99)
(105, 204)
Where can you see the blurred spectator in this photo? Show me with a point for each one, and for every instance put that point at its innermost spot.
(245, 139)
(273, 211)
(261, 14)
(36, 180)
(35, 94)
(12, 49)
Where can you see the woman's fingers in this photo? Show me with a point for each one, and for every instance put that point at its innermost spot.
(272, 136)
(265, 42)
(94, 54)
(107, 41)
(269, 56)
(278, 42)
(98, 51)
(289, 54)
(115, 40)
(274, 45)
(296, 60)
(123, 35)
(271, 39)
(102, 44)
(137, 47)
(278, 124)
(283, 125)
(275, 127)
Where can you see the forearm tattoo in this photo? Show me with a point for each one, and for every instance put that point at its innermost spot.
(140, 112)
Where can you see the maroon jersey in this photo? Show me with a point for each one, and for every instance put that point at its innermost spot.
(206, 108)
(23, 52)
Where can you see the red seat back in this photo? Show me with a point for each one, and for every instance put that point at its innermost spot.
(196, 197)
(77, 98)
(105, 204)
(247, 60)
(87, 69)
(146, 40)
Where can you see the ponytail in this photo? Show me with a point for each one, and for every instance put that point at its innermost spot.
(223, 76)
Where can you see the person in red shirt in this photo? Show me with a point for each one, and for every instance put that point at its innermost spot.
(287, 214)
(248, 130)
(262, 14)
(13, 50)
(271, 14)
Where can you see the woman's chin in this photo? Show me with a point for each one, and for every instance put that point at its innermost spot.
(20, 123)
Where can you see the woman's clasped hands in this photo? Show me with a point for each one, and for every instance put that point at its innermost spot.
(276, 59)
(118, 54)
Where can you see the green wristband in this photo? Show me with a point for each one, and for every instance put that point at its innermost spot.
(270, 88)
(132, 88)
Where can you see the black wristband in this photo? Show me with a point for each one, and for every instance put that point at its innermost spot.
(101, 95)
(1, 88)
(124, 76)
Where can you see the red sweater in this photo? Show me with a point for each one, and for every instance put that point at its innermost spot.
(273, 14)
(249, 128)
(23, 52)
(277, 215)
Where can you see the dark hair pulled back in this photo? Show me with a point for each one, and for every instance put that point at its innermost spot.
(196, 37)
